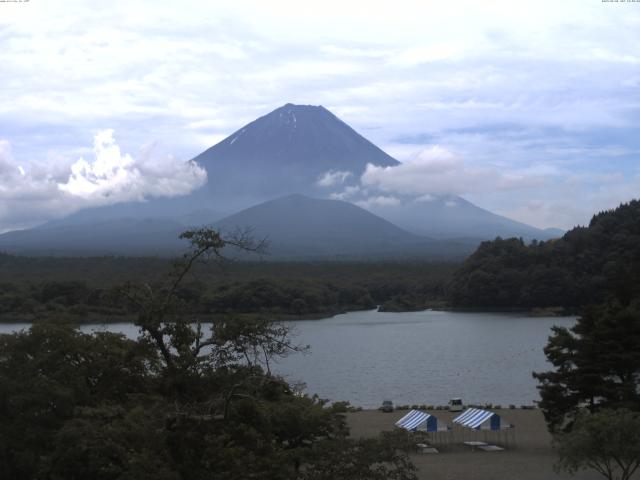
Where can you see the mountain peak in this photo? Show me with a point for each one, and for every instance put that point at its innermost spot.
(286, 151)
(293, 105)
(289, 114)
(300, 225)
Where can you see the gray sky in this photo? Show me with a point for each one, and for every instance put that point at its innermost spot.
(527, 108)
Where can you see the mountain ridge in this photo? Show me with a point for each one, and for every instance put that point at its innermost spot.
(300, 226)
(295, 149)
(286, 151)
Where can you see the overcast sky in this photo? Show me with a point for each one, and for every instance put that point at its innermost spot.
(530, 109)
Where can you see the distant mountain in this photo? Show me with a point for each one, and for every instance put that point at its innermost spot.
(554, 232)
(295, 149)
(296, 227)
(299, 226)
(454, 217)
(182, 210)
(288, 151)
(123, 236)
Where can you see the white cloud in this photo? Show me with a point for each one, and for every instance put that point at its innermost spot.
(113, 177)
(348, 193)
(428, 53)
(437, 171)
(567, 200)
(194, 73)
(333, 178)
(379, 201)
(31, 194)
(609, 56)
(427, 197)
(342, 51)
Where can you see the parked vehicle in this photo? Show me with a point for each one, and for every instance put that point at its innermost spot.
(387, 406)
(455, 405)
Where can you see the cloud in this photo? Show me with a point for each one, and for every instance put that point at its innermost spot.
(379, 201)
(437, 171)
(348, 193)
(428, 53)
(333, 178)
(113, 177)
(31, 193)
(427, 197)
(195, 73)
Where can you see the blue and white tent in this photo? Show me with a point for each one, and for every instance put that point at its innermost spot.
(476, 418)
(417, 420)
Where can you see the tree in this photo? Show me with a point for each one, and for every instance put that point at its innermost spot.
(178, 402)
(50, 372)
(382, 458)
(597, 365)
(588, 265)
(607, 441)
(161, 317)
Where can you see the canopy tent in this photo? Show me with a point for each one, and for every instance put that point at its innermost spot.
(416, 420)
(475, 422)
(476, 418)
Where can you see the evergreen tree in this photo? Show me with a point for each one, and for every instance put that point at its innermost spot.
(596, 365)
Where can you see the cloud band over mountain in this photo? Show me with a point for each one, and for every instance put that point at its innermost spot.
(37, 192)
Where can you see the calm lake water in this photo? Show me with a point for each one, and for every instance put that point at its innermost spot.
(413, 358)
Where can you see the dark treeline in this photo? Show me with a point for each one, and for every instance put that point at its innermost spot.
(86, 289)
(588, 265)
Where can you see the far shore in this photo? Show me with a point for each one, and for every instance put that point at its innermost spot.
(531, 457)
(97, 319)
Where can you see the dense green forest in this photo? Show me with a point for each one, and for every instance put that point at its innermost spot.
(88, 289)
(587, 265)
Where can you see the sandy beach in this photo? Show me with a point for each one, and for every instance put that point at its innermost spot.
(531, 457)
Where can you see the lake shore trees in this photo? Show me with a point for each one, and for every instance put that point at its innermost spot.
(178, 402)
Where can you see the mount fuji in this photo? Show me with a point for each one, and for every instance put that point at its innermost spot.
(295, 149)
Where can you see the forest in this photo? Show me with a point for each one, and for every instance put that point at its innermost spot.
(588, 265)
(85, 290)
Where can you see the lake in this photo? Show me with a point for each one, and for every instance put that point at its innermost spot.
(413, 358)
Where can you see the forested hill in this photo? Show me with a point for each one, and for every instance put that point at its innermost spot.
(587, 265)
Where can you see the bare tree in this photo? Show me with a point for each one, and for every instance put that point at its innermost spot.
(181, 340)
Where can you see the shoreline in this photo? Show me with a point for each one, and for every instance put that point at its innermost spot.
(529, 457)
(95, 319)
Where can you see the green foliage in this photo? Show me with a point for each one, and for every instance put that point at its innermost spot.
(179, 402)
(383, 458)
(297, 297)
(111, 442)
(31, 289)
(46, 374)
(586, 266)
(607, 441)
(596, 364)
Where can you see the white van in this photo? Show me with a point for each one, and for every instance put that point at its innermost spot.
(455, 405)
